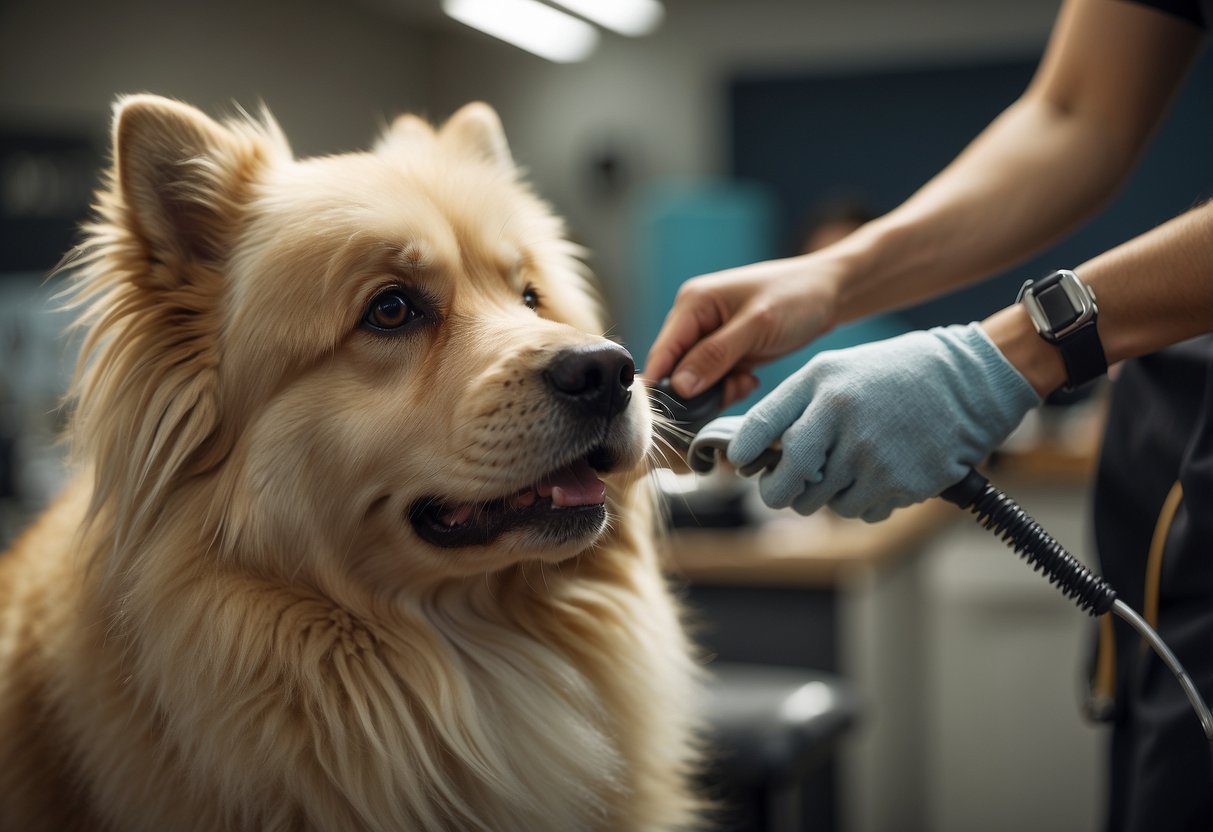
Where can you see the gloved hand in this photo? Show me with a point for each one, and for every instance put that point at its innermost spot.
(883, 425)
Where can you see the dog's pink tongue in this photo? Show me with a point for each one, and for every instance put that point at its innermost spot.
(576, 485)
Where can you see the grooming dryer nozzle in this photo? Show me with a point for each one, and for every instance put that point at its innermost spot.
(704, 448)
(688, 414)
(710, 446)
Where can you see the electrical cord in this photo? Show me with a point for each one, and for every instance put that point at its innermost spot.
(1092, 594)
(993, 509)
(1006, 520)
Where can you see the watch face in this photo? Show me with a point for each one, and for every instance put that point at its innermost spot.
(1057, 306)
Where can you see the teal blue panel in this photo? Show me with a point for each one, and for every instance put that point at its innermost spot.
(688, 229)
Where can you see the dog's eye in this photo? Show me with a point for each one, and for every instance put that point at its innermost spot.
(389, 311)
(530, 297)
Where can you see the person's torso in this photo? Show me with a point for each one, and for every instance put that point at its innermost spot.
(1159, 444)
(1197, 12)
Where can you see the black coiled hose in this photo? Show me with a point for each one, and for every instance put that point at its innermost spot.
(1003, 516)
(994, 510)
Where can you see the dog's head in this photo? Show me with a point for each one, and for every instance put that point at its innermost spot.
(392, 355)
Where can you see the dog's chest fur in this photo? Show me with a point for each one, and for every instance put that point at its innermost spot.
(241, 706)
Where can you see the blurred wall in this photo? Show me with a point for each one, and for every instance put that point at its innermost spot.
(332, 73)
(659, 102)
(881, 133)
(656, 105)
(327, 70)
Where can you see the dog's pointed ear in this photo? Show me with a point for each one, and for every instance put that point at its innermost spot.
(409, 127)
(405, 131)
(179, 174)
(476, 129)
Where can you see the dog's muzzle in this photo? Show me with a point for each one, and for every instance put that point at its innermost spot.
(595, 379)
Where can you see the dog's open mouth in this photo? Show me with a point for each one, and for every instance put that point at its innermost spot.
(564, 504)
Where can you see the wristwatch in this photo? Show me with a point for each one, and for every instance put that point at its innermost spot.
(1063, 310)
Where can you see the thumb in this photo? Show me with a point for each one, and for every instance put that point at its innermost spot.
(712, 358)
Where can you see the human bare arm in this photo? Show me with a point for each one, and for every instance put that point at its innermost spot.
(1152, 291)
(1040, 168)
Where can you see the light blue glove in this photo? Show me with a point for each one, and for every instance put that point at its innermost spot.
(872, 428)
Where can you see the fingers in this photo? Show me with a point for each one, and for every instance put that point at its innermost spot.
(791, 486)
(685, 323)
(816, 496)
(803, 468)
(739, 386)
(878, 512)
(865, 500)
(755, 436)
(715, 356)
(775, 413)
(852, 501)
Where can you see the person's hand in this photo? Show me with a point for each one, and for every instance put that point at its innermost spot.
(723, 325)
(883, 425)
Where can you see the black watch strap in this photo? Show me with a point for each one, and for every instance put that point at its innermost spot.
(1063, 310)
(1082, 352)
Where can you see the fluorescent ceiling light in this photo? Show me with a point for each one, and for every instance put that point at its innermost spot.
(529, 25)
(627, 17)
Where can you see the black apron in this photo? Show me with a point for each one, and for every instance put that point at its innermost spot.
(1154, 532)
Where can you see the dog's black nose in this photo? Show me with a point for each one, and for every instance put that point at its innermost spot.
(596, 378)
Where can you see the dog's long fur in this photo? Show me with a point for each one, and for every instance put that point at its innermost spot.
(226, 622)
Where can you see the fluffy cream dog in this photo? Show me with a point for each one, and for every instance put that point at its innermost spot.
(341, 555)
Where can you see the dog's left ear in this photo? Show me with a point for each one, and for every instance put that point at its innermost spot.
(476, 129)
(180, 175)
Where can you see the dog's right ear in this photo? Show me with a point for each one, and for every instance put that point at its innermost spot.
(475, 129)
(406, 131)
(180, 175)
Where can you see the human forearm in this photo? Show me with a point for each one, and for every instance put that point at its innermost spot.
(1152, 291)
(1044, 165)
(1016, 189)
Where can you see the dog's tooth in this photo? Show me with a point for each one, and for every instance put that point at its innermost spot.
(524, 499)
(457, 516)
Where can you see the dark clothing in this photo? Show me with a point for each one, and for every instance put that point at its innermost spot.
(1160, 433)
(1198, 12)
(1154, 532)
